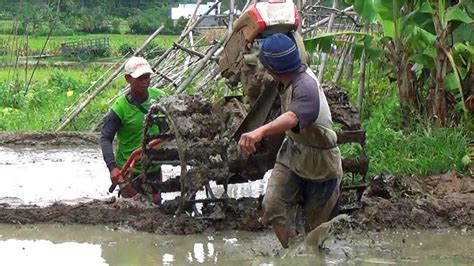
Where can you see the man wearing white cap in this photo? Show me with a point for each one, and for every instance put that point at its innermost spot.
(125, 119)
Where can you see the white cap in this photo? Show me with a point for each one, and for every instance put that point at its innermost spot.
(137, 66)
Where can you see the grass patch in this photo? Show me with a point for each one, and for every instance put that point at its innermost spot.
(420, 150)
(35, 43)
(6, 25)
(52, 94)
(43, 74)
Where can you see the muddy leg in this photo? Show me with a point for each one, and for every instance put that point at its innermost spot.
(284, 234)
(281, 198)
(320, 202)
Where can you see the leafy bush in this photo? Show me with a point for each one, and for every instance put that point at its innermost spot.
(11, 95)
(115, 23)
(36, 96)
(93, 22)
(3, 51)
(153, 50)
(143, 24)
(60, 82)
(125, 49)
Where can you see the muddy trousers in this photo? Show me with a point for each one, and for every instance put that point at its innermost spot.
(287, 193)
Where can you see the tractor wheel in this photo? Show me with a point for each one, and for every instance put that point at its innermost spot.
(84, 56)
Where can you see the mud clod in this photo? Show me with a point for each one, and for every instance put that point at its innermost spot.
(416, 202)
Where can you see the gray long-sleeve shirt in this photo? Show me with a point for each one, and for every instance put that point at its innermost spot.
(111, 124)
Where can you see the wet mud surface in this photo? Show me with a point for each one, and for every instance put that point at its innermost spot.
(241, 214)
(390, 202)
(64, 138)
(413, 202)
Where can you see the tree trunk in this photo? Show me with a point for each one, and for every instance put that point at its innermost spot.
(350, 63)
(438, 112)
(406, 80)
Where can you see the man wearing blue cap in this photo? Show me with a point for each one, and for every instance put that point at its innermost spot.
(308, 167)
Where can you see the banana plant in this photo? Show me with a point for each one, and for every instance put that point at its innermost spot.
(452, 62)
(417, 32)
(396, 18)
(416, 40)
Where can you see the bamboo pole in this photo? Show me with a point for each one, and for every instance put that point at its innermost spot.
(89, 99)
(325, 20)
(231, 15)
(185, 33)
(324, 58)
(342, 60)
(201, 64)
(361, 89)
(349, 68)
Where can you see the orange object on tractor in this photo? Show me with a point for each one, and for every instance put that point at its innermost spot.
(122, 179)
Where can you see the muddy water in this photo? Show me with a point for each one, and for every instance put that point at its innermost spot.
(45, 175)
(81, 245)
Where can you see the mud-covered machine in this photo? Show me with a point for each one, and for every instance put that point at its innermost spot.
(202, 136)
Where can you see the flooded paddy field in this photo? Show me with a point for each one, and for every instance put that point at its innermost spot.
(55, 209)
(99, 245)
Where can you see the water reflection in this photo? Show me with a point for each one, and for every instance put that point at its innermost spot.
(31, 252)
(97, 245)
(39, 175)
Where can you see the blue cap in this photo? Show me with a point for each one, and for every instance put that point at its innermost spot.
(279, 54)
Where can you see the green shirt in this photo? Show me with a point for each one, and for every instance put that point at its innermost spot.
(130, 134)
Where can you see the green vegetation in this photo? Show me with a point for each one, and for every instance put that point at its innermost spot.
(418, 123)
(399, 142)
(49, 97)
(392, 148)
(420, 150)
(421, 46)
(36, 43)
(111, 16)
